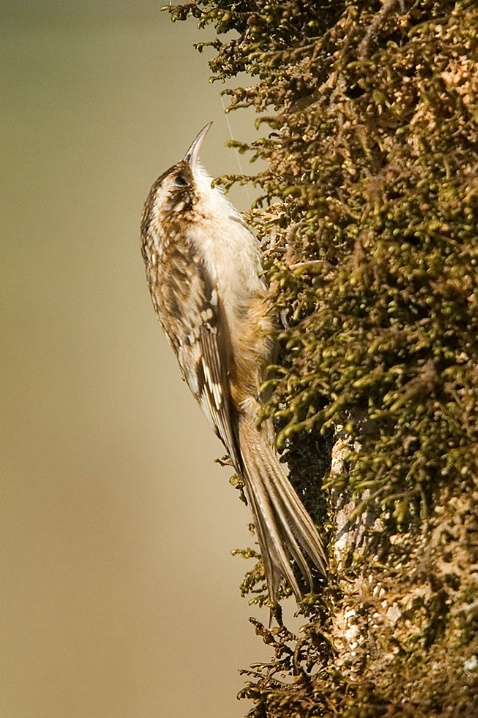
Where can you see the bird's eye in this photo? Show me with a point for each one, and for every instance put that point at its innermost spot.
(180, 181)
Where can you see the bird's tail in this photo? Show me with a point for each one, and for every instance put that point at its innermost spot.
(285, 531)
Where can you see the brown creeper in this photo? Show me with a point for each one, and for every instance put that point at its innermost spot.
(203, 270)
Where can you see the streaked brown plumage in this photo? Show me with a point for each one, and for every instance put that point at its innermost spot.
(203, 270)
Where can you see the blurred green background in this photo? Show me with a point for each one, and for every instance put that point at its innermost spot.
(119, 595)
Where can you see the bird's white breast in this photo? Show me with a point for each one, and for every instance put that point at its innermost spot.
(230, 250)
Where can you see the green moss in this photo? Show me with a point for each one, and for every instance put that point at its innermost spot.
(368, 213)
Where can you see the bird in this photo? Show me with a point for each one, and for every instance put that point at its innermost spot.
(203, 268)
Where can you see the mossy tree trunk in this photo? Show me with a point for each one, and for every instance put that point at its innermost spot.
(368, 217)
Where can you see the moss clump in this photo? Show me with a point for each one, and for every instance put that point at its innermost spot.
(368, 214)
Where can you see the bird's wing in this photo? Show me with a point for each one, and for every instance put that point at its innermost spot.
(200, 338)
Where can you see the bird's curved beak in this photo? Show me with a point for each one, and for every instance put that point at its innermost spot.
(191, 156)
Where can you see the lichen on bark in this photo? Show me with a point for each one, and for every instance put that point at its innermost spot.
(368, 217)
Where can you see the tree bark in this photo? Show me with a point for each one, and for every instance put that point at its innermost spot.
(368, 218)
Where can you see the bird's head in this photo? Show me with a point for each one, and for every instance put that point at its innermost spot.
(175, 191)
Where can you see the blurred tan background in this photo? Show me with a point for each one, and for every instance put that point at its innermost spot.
(119, 595)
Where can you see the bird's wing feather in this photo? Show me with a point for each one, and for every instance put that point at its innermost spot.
(201, 346)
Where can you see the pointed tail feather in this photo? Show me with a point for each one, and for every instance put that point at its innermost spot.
(284, 528)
